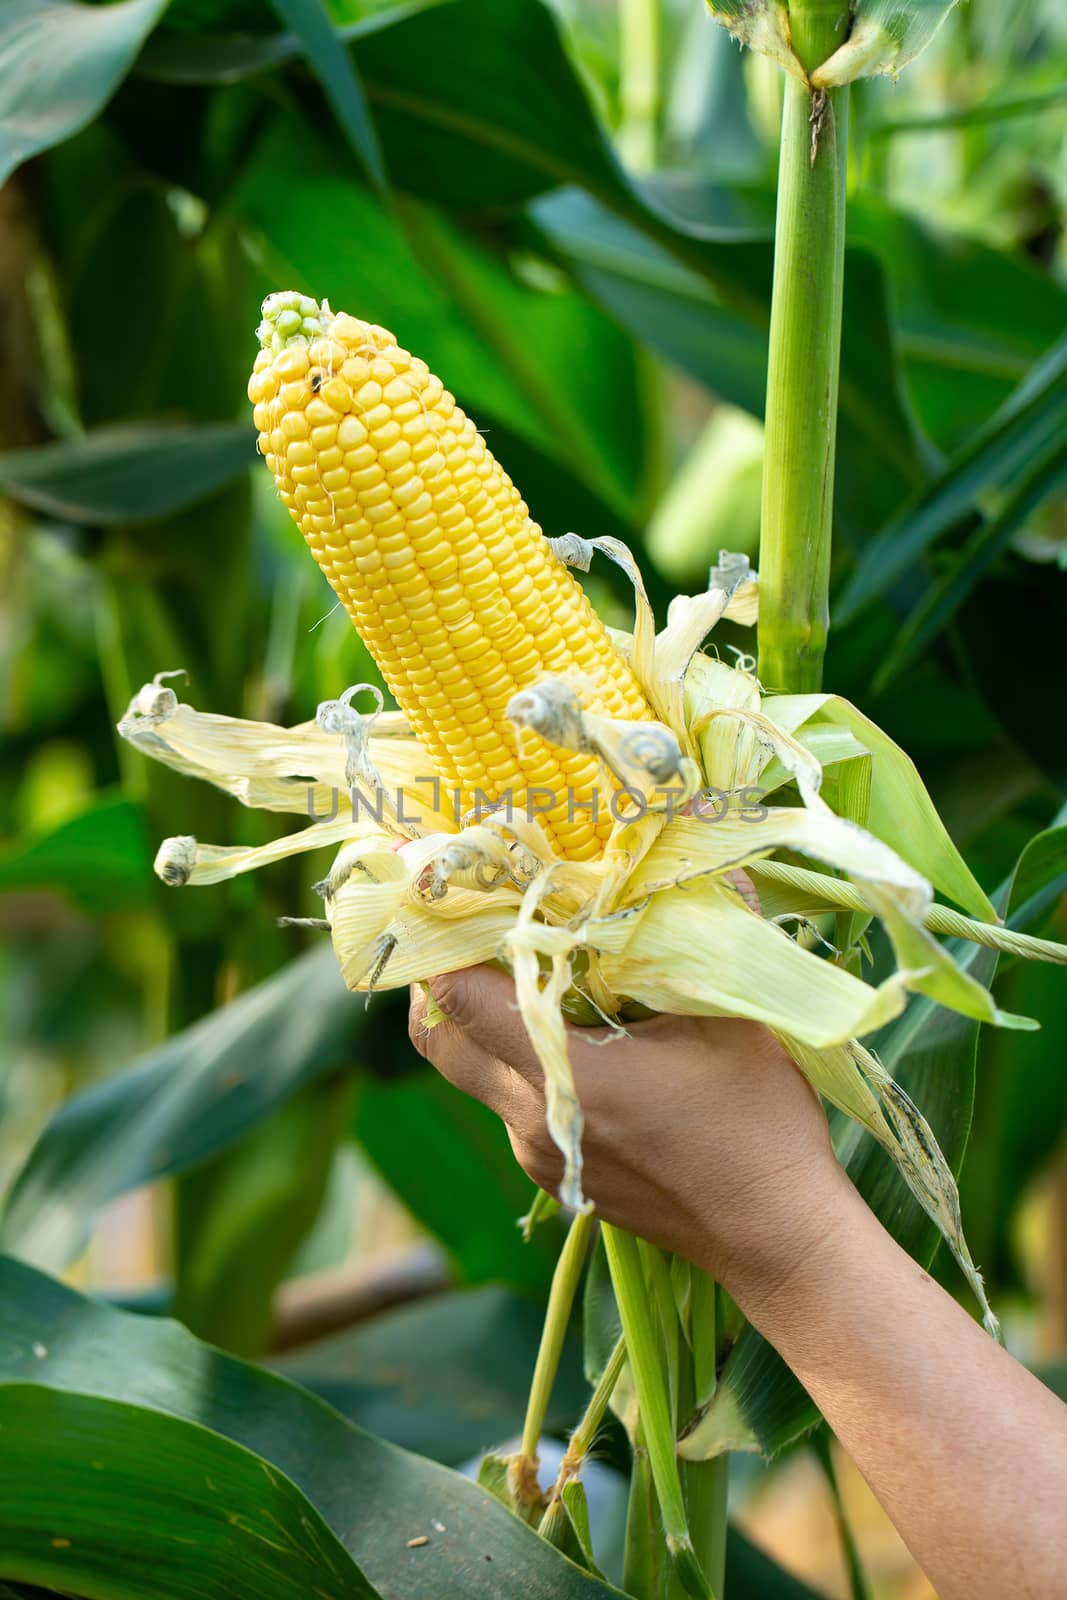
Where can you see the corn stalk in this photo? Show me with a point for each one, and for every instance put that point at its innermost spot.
(802, 377)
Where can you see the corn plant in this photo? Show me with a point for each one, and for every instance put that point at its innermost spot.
(541, 795)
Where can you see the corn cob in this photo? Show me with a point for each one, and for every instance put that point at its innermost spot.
(432, 551)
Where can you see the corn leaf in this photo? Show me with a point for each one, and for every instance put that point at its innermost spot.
(972, 116)
(1053, 1375)
(666, 302)
(181, 1103)
(370, 1496)
(333, 66)
(59, 65)
(99, 858)
(965, 568)
(930, 1053)
(472, 1395)
(448, 1159)
(857, 1578)
(968, 320)
(463, 128)
(682, 310)
(1022, 1103)
(216, 59)
(884, 36)
(1020, 1119)
(752, 1575)
(240, 1217)
(1004, 450)
(128, 473)
(901, 813)
(98, 1530)
(466, 127)
(213, 1083)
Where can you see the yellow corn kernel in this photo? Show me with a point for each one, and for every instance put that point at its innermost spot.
(433, 553)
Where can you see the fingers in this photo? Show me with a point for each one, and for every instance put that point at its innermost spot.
(480, 1001)
(472, 1068)
(539, 1159)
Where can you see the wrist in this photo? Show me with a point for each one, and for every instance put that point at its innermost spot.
(800, 1238)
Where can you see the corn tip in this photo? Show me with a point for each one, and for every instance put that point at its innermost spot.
(289, 316)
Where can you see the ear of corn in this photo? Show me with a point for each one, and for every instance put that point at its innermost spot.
(432, 551)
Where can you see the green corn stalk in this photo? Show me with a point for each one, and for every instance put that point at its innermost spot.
(641, 1326)
(555, 1522)
(522, 1485)
(802, 378)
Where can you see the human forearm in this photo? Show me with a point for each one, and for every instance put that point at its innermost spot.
(966, 1450)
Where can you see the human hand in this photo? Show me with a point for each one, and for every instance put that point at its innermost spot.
(702, 1137)
(700, 1134)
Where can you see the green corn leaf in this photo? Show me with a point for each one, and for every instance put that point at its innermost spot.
(219, 59)
(999, 454)
(1020, 1119)
(332, 63)
(472, 1395)
(89, 1490)
(577, 1508)
(493, 1477)
(682, 309)
(240, 1217)
(99, 858)
(752, 1575)
(448, 1159)
(761, 25)
(656, 1433)
(963, 569)
(128, 473)
(368, 1495)
(857, 1578)
(758, 1404)
(885, 35)
(1053, 1375)
(465, 128)
(666, 302)
(972, 116)
(210, 1085)
(968, 320)
(179, 1104)
(60, 63)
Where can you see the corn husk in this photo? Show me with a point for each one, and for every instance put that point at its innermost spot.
(724, 779)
